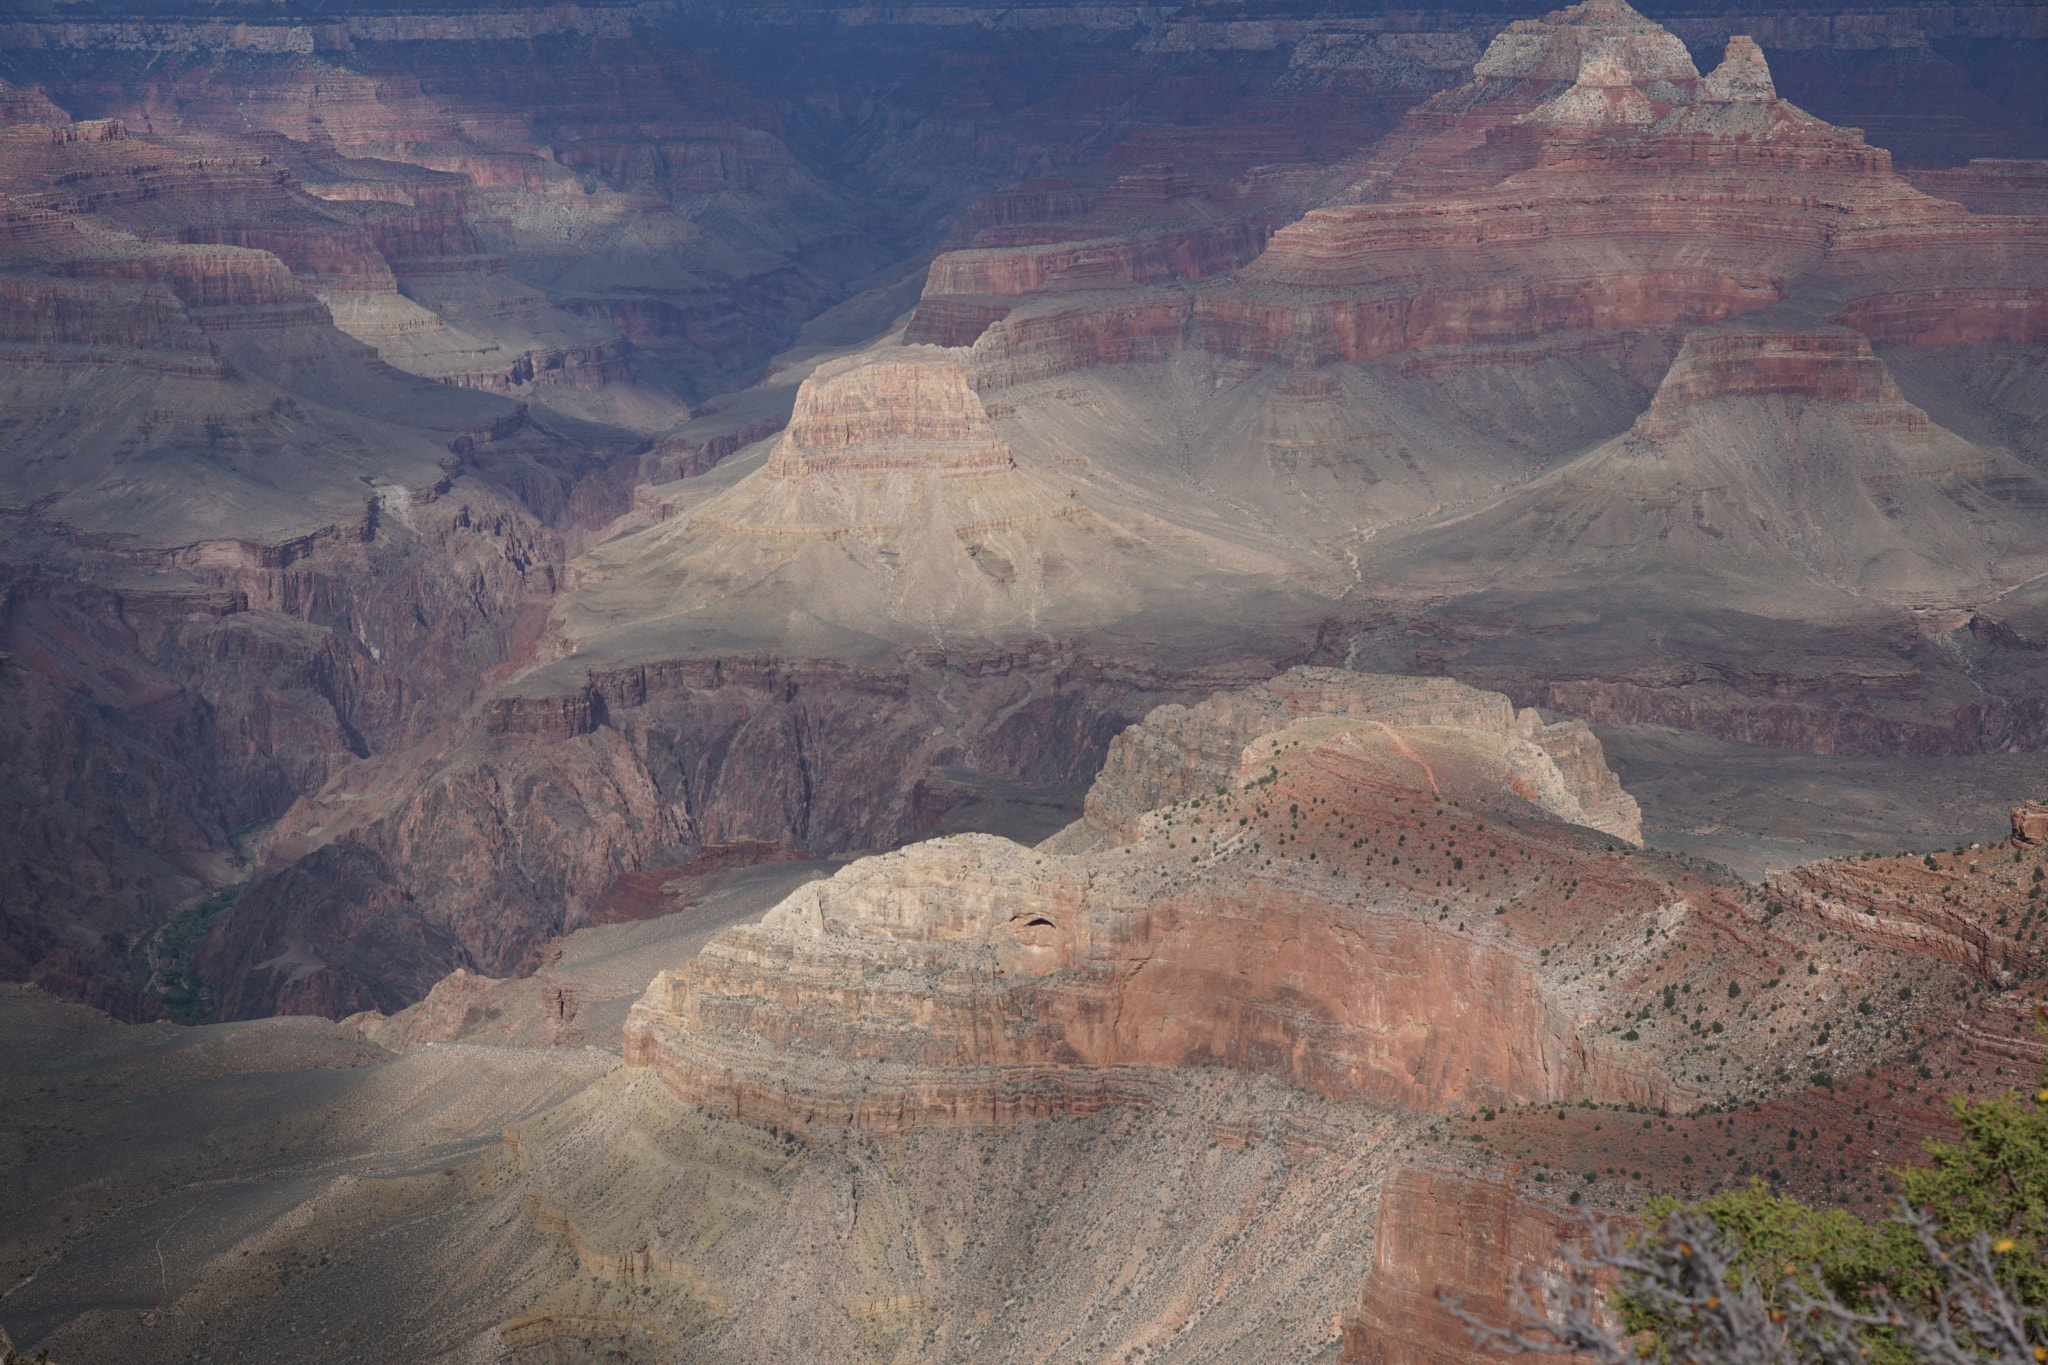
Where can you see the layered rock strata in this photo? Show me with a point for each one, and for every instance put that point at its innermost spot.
(1177, 753)
(242, 552)
(427, 857)
(1719, 164)
(387, 248)
(1223, 1212)
(1770, 455)
(892, 508)
(1204, 461)
(970, 981)
(1969, 909)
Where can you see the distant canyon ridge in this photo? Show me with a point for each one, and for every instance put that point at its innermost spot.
(456, 461)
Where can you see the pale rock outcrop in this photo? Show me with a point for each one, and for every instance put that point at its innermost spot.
(892, 506)
(1182, 751)
(1743, 75)
(866, 413)
(1629, 69)
(1597, 43)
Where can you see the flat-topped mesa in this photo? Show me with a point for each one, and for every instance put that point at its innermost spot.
(911, 410)
(1829, 364)
(1178, 752)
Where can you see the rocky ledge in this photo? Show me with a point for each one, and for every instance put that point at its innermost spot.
(1352, 904)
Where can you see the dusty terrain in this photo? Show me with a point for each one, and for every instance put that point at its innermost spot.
(960, 1100)
(1756, 809)
(959, 684)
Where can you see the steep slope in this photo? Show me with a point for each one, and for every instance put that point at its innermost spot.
(1230, 350)
(1203, 480)
(1773, 462)
(240, 551)
(1001, 983)
(392, 253)
(892, 507)
(1497, 387)
(781, 661)
(1192, 1097)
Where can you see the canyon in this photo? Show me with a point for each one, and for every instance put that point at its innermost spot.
(1072, 408)
(1195, 1090)
(961, 683)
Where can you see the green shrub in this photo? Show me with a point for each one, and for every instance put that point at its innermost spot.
(1991, 1182)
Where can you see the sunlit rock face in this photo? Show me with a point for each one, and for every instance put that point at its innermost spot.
(973, 981)
(1180, 752)
(889, 414)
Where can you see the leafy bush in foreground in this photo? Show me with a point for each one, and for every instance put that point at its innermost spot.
(1958, 1274)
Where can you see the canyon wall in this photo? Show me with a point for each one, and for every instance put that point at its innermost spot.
(479, 853)
(970, 981)
(1203, 363)
(1454, 1231)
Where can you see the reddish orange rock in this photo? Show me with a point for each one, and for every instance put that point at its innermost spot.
(1445, 1230)
(969, 980)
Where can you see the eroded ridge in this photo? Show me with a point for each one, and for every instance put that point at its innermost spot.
(1339, 907)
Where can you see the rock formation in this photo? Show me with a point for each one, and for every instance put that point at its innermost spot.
(970, 981)
(1179, 753)
(950, 495)
(1465, 308)
(1219, 1210)
(1191, 388)
(892, 507)
(1768, 455)
(1057, 383)
(358, 235)
(242, 550)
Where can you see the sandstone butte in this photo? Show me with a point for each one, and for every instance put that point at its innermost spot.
(1402, 899)
(1162, 1094)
